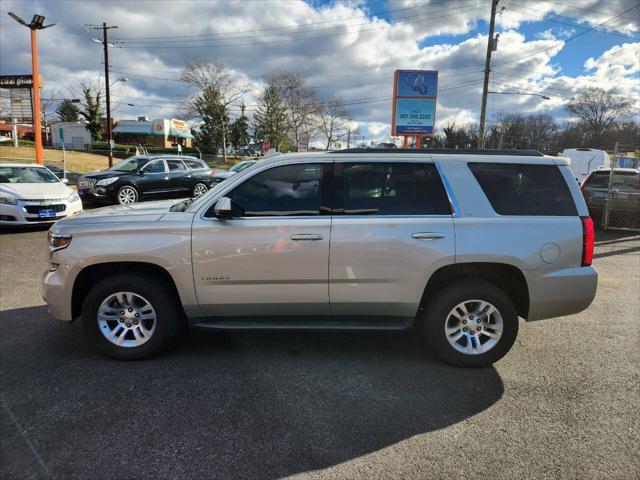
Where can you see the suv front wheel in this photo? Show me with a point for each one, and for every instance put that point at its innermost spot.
(470, 324)
(130, 316)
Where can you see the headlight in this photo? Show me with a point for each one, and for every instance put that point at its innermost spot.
(106, 181)
(57, 241)
(7, 200)
(73, 197)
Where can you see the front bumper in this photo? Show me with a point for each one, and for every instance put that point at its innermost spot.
(560, 292)
(104, 195)
(56, 288)
(27, 212)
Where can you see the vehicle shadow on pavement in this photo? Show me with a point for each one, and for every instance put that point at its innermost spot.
(219, 405)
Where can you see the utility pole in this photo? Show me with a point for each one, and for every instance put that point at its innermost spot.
(492, 45)
(105, 44)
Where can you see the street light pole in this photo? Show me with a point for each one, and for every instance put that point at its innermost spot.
(37, 23)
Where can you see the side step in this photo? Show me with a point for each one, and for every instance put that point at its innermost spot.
(306, 323)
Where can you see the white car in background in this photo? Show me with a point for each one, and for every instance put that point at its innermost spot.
(31, 194)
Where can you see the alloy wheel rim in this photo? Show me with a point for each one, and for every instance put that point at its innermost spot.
(474, 327)
(199, 190)
(127, 319)
(127, 196)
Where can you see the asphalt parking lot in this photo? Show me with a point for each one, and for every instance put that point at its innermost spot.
(563, 404)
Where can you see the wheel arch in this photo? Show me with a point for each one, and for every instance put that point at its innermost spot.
(92, 274)
(507, 277)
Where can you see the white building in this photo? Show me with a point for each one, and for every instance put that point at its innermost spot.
(73, 134)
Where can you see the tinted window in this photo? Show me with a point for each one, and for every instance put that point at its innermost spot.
(393, 189)
(157, 166)
(520, 189)
(286, 190)
(193, 164)
(626, 181)
(598, 180)
(175, 165)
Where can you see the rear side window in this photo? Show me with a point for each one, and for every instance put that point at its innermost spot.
(193, 164)
(392, 189)
(175, 165)
(520, 189)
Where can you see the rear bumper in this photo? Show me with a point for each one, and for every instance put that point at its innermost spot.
(560, 292)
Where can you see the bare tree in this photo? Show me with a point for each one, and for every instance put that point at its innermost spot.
(301, 104)
(213, 91)
(598, 110)
(334, 120)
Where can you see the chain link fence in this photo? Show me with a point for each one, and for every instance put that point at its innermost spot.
(622, 205)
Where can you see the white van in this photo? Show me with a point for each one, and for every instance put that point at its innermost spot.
(586, 160)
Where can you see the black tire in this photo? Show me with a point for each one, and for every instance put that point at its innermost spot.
(129, 187)
(195, 187)
(162, 298)
(436, 312)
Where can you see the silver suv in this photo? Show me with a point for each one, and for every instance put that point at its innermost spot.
(457, 243)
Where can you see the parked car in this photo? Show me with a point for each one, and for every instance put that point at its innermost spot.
(146, 177)
(625, 196)
(221, 175)
(458, 243)
(71, 177)
(30, 194)
(246, 152)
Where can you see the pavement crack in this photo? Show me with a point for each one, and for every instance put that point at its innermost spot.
(26, 439)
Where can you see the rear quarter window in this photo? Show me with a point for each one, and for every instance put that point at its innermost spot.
(598, 180)
(521, 189)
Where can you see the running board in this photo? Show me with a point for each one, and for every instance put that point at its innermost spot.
(329, 323)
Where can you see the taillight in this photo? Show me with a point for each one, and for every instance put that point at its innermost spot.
(588, 238)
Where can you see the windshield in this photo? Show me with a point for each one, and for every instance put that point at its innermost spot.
(238, 167)
(27, 175)
(132, 164)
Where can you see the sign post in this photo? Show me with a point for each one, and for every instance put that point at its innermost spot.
(414, 104)
(64, 152)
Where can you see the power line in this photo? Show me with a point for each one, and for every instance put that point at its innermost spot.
(589, 10)
(287, 40)
(573, 37)
(253, 31)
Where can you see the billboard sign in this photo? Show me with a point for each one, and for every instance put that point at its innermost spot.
(414, 102)
(16, 81)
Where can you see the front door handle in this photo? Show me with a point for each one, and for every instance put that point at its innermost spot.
(427, 235)
(307, 236)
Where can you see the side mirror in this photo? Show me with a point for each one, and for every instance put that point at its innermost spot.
(140, 172)
(222, 208)
(65, 180)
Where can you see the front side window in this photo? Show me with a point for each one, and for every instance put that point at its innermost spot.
(393, 189)
(626, 181)
(157, 166)
(175, 165)
(288, 190)
(525, 189)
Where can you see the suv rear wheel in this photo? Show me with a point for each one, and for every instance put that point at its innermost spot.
(470, 324)
(130, 316)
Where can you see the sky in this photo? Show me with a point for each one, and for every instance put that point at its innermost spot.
(348, 48)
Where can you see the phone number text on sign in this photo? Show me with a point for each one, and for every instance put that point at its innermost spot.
(414, 115)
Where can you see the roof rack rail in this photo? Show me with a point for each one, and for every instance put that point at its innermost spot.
(445, 151)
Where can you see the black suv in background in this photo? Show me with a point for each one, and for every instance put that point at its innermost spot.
(146, 177)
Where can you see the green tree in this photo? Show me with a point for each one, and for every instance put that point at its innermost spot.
(213, 115)
(239, 134)
(68, 112)
(92, 111)
(270, 120)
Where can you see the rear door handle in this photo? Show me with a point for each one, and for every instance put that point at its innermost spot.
(427, 235)
(307, 236)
